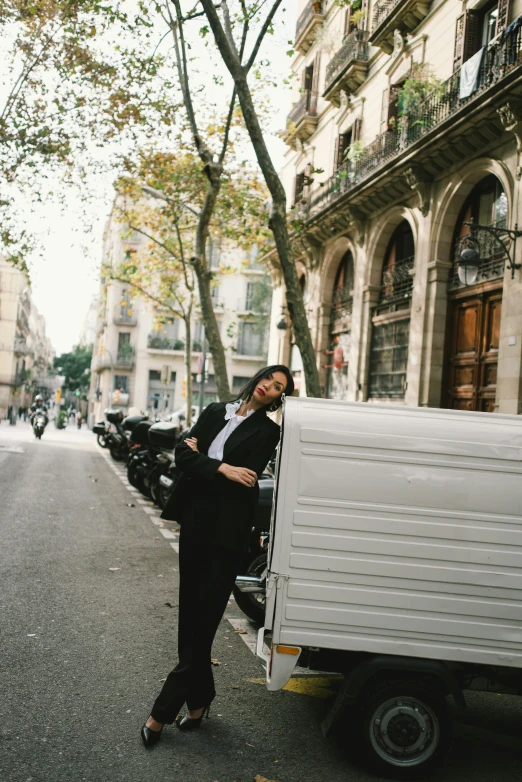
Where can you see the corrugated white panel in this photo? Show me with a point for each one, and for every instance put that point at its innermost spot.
(400, 531)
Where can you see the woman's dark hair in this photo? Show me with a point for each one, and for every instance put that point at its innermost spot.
(248, 390)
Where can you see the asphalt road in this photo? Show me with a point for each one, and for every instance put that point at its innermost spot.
(88, 596)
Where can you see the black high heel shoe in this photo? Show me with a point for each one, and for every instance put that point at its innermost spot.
(149, 736)
(189, 723)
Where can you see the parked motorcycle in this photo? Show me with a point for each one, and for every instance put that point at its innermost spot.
(39, 422)
(250, 587)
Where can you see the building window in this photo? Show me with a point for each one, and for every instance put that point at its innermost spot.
(391, 319)
(250, 339)
(486, 205)
(214, 252)
(160, 396)
(338, 353)
(121, 383)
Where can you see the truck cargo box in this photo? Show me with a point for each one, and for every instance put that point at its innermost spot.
(397, 531)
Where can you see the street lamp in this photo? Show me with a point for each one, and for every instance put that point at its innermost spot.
(282, 325)
(469, 248)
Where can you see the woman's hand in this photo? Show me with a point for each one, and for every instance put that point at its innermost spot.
(238, 474)
(192, 443)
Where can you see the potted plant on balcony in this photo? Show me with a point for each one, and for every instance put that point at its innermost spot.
(317, 6)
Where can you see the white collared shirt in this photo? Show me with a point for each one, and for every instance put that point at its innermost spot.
(233, 420)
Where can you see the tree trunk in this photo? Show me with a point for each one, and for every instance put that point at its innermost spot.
(188, 365)
(279, 228)
(203, 276)
(278, 223)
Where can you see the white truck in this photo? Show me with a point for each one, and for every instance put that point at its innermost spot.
(396, 559)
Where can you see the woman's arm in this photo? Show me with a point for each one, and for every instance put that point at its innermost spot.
(193, 463)
(259, 458)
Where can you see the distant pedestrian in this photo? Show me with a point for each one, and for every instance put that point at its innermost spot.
(214, 500)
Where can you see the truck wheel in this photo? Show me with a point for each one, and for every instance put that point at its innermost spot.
(405, 728)
(253, 603)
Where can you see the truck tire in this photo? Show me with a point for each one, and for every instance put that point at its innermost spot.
(253, 603)
(404, 728)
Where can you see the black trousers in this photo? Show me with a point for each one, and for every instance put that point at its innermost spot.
(207, 573)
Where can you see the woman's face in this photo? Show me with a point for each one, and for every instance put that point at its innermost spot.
(270, 388)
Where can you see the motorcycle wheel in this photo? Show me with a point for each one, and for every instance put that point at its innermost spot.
(135, 480)
(102, 442)
(117, 453)
(163, 496)
(253, 603)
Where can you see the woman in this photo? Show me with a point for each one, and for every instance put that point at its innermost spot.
(214, 501)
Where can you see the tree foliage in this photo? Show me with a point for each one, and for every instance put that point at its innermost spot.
(74, 366)
(162, 269)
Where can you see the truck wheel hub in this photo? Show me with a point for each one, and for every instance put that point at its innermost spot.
(404, 731)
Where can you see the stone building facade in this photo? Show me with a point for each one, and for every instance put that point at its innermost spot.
(25, 350)
(407, 126)
(140, 364)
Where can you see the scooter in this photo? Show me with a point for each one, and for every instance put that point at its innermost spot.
(39, 423)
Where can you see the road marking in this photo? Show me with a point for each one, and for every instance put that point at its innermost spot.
(11, 449)
(168, 534)
(175, 546)
(314, 686)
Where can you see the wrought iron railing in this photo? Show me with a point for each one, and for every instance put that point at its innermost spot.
(306, 15)
(397, 282)
(307, 104)
(429, 113)
(342, 304)
(157, 342)
(125, 357)
(383, 9)
(355, 47)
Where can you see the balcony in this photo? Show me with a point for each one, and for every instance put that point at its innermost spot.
(123, 316)
(440, 131)
(391, 15)
(302, 120)
(348, 68)
(311, 18)
(157, 342)
(125, 358)
(20, 347)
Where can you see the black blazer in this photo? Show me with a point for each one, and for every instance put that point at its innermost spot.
(206, 503)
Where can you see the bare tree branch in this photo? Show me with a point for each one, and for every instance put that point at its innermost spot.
(262, 33)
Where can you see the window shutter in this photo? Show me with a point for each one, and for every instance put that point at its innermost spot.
(299, 186)
(393, 105)
(504, 8)
(459, 40)
(472, 37)
(384, 111)
(467, 38)
(336, 153)
(356, 130)
(307, 178)
(347, 19)
(343, 142)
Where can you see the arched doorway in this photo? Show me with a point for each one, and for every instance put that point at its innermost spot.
(340, 329)
(391, 318)
(473, 325)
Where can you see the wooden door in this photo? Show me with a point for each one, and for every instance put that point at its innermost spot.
(472, 352)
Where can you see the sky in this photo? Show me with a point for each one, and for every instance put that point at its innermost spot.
(65, 276)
